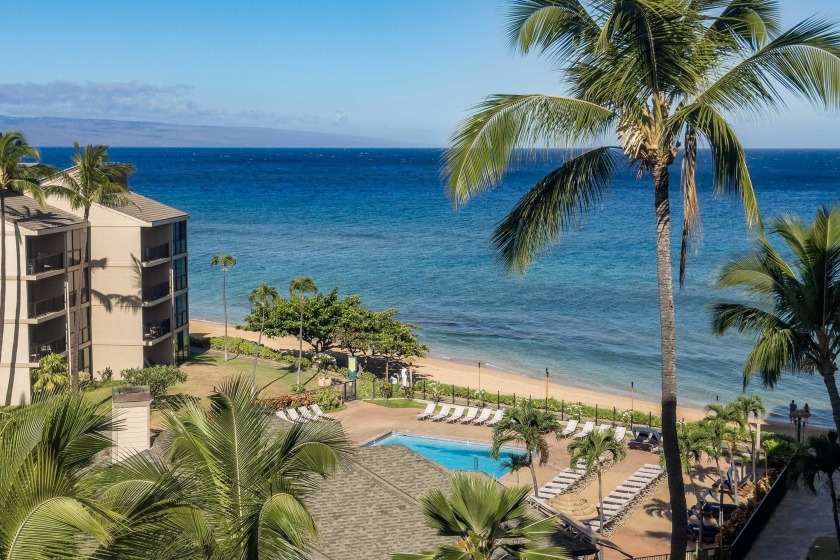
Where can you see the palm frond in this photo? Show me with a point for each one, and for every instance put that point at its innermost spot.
(557, 28)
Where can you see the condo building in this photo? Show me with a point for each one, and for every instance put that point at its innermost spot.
(134, 287)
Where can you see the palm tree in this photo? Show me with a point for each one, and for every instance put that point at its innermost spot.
(51, 373)
(226, 262)
(489, 520)
(298, 288)
(743, 406)
(93, 179)
(652, 74)
(592, 449)
(247, 480)
(16, 174)
(262, 298)
(818, 456)
(526, 425)
(694, 442)
(794, 305)
(721, 437)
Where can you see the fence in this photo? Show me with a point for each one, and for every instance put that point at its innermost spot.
(705, 554)
(756, 522)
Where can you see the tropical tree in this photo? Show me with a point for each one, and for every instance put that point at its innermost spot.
(694, 442)
(526, 425)
(19, 172)
(51, 373)
(262, 298)
(721, 436)
(818, 456)
(394, 340)
(227, 262)
(794, 305)
(93, 179)
(658, 76)
(743, 406)
(489, 521)
(592, 449)
(247, 479)
(298, 288)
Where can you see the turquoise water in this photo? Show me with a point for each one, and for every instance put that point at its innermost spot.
(453, 454)
(377, 223)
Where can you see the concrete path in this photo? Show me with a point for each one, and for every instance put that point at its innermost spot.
(799, 519)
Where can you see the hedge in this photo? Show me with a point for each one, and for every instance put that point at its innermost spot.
(240, 346)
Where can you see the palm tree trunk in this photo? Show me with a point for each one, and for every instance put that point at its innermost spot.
(600, 514)
(667, 320)
(224, 305)
(533, 473)
(300, 340)
(254, 368)
(833, 398)
(834, 508)
(3, 277)
(752, 449)
(700, 516)
(77, 327)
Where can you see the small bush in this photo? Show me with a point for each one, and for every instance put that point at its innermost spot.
(106, 374)
(327, 399)
(298, 388)
(200, 342)
(323, 362)
(158, 378)
(343, 372)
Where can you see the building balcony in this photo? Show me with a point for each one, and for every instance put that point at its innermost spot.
(46, 307)
(155, 255)
(38, 350)
(74, 258)
(153, 295)
(156, 331)
(45, 263)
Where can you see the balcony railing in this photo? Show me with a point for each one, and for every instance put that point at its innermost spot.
(46, 306)
(45, 263)
(155, 292)
(152, 331)
(38, 350)
(155, 253)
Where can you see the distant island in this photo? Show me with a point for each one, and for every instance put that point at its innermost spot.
(58, 131)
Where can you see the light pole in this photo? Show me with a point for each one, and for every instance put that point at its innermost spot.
(479, 376)
(546, 388)
(632, 402)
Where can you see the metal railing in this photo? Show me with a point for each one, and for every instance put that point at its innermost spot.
(705, 554)
(45, 263)
(46, 306)
(157, 291)
(38, 350)
(756, 522)
(153, 330)
(155, 253)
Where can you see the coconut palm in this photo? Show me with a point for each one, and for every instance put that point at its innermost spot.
(247, 479)
(593, 449)
(694, 442)
(51, 373)
(262, 298)
(743, 406)
(489, 521)
(298, 288)
(819, 456)
(93, 179)
(721, 435)
(18, 175)
(659, 76)
(793, 305)
(526, 425)
(226, 262)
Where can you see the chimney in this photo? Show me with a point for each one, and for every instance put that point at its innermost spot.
(132, 409)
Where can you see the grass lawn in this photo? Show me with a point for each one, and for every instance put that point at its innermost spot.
(397, 403)
(824, 548)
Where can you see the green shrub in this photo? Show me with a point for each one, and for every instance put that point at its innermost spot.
(106, 374)
(202, 342)
(323, 362)
(298, 388)
(327, 399)
(780, 449)
(158, 378)
(343, 372)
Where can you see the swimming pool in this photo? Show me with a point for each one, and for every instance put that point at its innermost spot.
(459, 455)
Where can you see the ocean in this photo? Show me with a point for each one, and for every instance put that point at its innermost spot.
(378, 223)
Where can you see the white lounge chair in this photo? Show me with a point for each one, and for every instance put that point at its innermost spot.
(570, 428)
(585, 431)
(430, 409)
(483, 417)
(294, 416)
(496, 418)
(307, 414)
(603, 428)
(472, 412)
(620, 432)
(456, 414)
(444, 412)
(320, 413)
(282, 416)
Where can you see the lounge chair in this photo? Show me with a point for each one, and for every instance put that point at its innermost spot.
(430, 409)
(308, 414)
(620, 432)
(483, 417)
(456, 415)
(294, 416)
(585, 431)
(444, 412)
(603, 428)
(282, 416)
(570, 428)
(320, 413)
(472, 412)
(496, 418)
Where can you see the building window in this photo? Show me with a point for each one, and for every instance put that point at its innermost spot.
(181, 312)
(179, 274)
(84, 360)
(179, 237)
(182, 346)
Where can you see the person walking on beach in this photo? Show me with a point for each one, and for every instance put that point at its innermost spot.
(792, 408)
(806, 410)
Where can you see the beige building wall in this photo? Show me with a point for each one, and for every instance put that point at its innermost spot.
(132, 410)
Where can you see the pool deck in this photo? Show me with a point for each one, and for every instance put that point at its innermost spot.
(647, 531)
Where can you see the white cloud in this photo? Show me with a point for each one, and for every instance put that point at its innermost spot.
(340, 118)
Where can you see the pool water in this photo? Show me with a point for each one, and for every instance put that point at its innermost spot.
(457, 455)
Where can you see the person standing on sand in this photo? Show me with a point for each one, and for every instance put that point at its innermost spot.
(806, 410)
(404, 375)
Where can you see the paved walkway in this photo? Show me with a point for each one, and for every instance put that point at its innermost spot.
(799, 519)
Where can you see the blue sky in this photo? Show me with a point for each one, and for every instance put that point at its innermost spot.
(406, 70)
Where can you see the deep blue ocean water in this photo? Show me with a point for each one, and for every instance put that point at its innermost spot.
(377, 223)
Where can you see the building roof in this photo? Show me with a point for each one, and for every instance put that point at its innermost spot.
(148, 210)
(25, 212)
